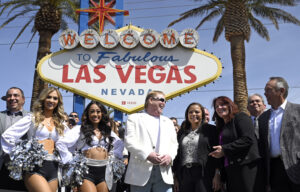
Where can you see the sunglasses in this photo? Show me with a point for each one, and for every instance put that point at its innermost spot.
(159, 99)
(74, 116)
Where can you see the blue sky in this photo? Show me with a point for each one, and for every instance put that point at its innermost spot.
(277, 57)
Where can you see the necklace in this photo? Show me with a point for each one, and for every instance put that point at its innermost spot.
(48, 122)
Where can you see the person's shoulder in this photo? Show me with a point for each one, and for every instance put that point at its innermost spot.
(293, 105)
(3, 112)
(165, 118)
(136, 116)
(241, 115)
(206, 127)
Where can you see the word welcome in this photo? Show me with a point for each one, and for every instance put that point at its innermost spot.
(129, 38)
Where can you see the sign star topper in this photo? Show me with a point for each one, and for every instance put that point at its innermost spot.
(101, 12)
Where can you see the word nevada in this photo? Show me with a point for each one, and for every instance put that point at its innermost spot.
(129, 38)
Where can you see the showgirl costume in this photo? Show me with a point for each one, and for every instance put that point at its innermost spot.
(98, 171)
(15, 134)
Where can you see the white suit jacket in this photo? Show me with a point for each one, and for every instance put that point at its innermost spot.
(139, 143)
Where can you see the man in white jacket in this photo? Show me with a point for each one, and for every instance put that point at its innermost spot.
(151, 140)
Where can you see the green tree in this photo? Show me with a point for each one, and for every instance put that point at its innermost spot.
(237, 16)
(48, 16)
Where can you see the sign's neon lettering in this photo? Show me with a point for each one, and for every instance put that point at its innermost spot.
(188, 37)
(83, 74)
(190, 74)
(125, 39)
(124, 77)
(176, 77)
(99, 73)
(139, 73)
(127, 57)
(88, 38)
(161, 76)
(172, 39)
(155, 74)
(65, 75)
(147, 42)
(106, 40)
(69, 40)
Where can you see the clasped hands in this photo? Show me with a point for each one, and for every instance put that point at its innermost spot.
(158, 159)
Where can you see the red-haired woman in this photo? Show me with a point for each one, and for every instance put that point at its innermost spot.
(238, 146)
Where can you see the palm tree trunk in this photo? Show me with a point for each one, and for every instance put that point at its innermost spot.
(43, 50)
(239, 72)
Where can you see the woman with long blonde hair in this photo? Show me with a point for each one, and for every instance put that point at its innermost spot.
(46, 124)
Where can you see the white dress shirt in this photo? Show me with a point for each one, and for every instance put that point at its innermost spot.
(274, 129)
(155, 132)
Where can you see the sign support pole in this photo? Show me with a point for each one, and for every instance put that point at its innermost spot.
(79, 101)
(118, 115)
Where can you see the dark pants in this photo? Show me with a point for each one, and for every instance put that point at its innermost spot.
(279, 180)
(8, 183)
(192, 180)
(241, 178)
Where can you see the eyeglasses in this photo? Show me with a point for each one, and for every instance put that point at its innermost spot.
(74, 116)
(159, 99)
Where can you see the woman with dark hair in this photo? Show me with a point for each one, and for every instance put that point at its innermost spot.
(237, 144)
(96, 141)
(45, 124)
(194, 170)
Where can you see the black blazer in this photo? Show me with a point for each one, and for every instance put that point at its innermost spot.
(238, 140)
(289, 142)
(208, 138)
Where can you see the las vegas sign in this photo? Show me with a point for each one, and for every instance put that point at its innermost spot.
(119, 67)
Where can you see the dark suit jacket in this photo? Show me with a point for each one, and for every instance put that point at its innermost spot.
(208, 138)
(238, 140)
(289, 141)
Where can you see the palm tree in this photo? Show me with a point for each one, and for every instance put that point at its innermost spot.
(49, 16)
(237, 16)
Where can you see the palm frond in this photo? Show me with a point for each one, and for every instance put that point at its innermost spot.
(259, 27)
(68, 11)
(16, 7)
(197, 11)
(219, 29)
(13, 18)
(209, 17)
(279, 2)
(33, 31)
(275, 13)
(64, 24)
(21, 31)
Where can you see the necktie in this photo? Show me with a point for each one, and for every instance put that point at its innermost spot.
(255, 122)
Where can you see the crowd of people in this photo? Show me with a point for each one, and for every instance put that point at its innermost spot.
(257, 151)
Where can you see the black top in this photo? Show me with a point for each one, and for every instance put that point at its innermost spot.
(208, 137)
(238, 140)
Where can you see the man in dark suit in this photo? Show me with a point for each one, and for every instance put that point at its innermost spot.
(279, 143)
(256, 106)
(14, 111)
